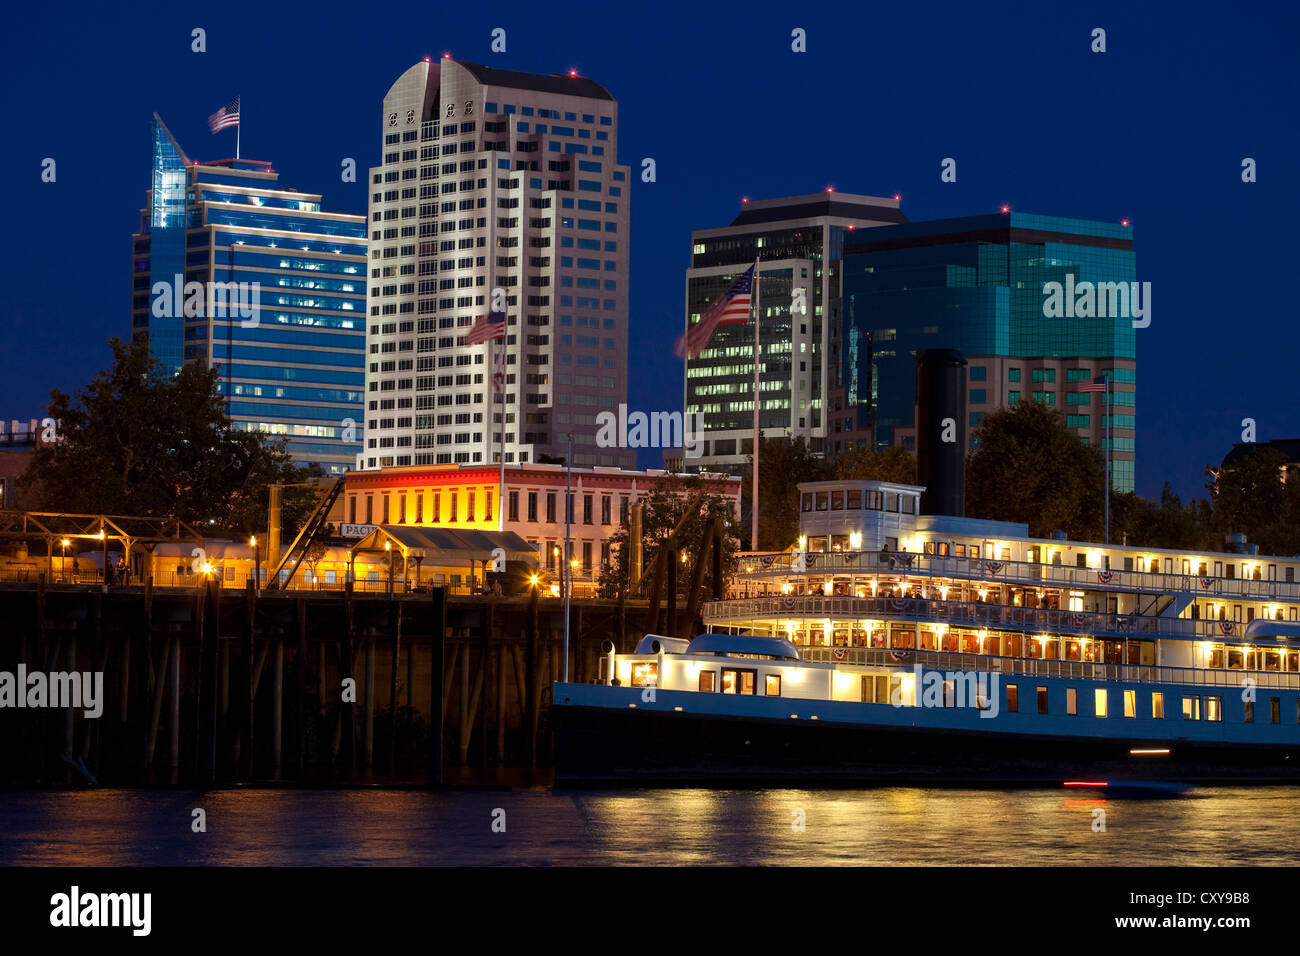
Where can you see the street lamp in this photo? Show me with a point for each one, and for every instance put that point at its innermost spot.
(64, 543)
(257, 564)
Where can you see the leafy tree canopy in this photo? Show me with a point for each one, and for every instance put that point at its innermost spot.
(137, 441)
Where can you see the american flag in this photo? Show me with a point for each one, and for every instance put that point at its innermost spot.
(490, 326)
(730, 309)
(1098, 384)
(228, 115)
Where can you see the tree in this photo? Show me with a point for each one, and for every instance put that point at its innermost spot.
(137, 441)
(1257, 495)
(663, 508)
(1164, 524)
(782, 464)
(1028, 467)
(867, 464)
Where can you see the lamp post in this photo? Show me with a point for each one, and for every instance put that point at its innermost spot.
(388, 548)
(257, 564)
(568, 547)
(64, 565)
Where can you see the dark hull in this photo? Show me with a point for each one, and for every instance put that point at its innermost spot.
(606, 746)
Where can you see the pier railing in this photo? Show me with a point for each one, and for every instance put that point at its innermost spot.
(914, 565)
(923, 611)
(1034, 667)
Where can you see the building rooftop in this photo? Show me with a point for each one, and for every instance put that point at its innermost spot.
(558, 83)
(831, 204)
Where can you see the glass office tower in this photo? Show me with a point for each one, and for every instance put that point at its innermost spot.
(977, 284)
(295, 366)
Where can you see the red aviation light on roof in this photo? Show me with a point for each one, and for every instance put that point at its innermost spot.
(1123, 222)
(744, 199)
(572, 72)
(830, 189)
(1006, 209)
(898, 197)
(446, 56)
(426, 59)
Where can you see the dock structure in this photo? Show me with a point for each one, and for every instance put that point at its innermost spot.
(210, 686)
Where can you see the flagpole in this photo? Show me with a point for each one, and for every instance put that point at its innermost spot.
(753, 495)
(501, 492)
(239, 126)
(1106, 413)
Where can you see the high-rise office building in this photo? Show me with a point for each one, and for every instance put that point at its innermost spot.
(979, 284)
(282, 307)
(799, 241)
(495, 179)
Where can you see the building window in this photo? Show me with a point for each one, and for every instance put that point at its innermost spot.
(514, 506)
(606, 506)
(532, 506)
(550, 507)
(1013, 375)
(586, 509)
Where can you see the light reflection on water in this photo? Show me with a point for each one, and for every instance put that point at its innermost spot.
(1212, 827)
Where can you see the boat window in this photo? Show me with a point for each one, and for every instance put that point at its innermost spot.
(1072, 701)
(1192, 708)
(708, 681)
(807, 501)
(772, 685)
(1157, 705)
(736, 681)
(1130, 703)
(837, 501)
(1214, 708)
(1042, 700)
(645, 674)
(821, 501)
(1100, 703)
(1013, 700)
(1249, 712)
(1275, 710)
(853, 499)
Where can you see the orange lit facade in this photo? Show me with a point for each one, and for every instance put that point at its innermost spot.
(458, 496)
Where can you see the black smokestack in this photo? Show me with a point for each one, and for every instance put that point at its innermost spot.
(941, 430)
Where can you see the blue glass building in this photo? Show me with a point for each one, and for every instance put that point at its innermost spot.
(977, 284)
(292, 363)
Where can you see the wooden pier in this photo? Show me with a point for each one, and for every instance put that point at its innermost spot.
(207, 686)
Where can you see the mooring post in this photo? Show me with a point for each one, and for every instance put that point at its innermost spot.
(144, 684)
(246, 692)
(277, 707)
(68, 729)
(501, 704)
(395, 636)
(531, 676)
(301, 689)
(207, 694)
(368, 744)
(438, 635)
(174, 719)
(462, 727)
(347, 711)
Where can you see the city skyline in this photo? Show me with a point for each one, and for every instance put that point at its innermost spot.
(1040, 164)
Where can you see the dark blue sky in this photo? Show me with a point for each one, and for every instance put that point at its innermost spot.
(1154, 129)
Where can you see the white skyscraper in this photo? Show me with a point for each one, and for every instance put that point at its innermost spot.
(494, 179)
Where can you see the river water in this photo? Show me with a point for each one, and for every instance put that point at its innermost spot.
(539, 827)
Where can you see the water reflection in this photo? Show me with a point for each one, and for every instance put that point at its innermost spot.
(1213, 827)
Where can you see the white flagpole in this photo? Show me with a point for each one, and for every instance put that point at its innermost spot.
(753, 499)
(501, 493)
(1106, 411)
(239, 125)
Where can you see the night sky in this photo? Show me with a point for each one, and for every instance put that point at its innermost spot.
(1154, 130)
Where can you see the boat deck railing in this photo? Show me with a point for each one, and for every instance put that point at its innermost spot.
(913, 565)
(1034, 667)
(922, 611)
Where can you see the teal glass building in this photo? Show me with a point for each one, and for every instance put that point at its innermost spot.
(293, 366)
(977, 284)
